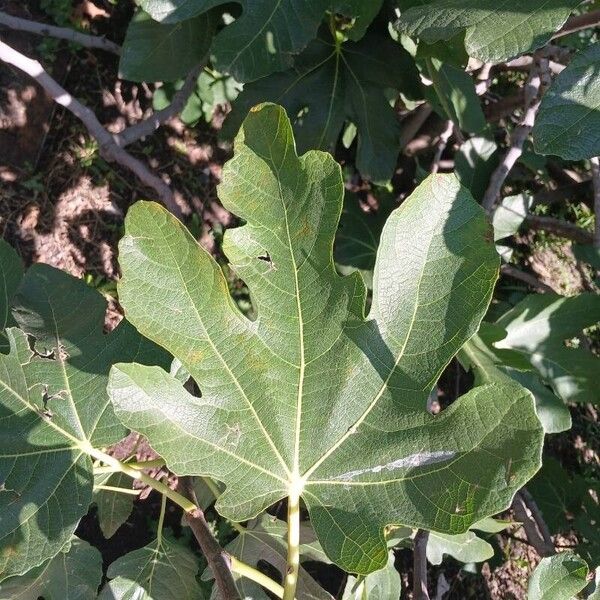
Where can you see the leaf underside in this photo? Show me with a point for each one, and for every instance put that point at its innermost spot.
(314, 395)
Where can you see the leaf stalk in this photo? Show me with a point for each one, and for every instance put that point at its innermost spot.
(293, 555)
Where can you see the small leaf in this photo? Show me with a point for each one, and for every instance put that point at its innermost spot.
(313, 362)
(113, 507)
(465, 547)
(162, 570)
(491, 364)
(456, 96)
(496, 30)
(491, 525)
(539, 326)
(384, 584)
(474, 164)
(558, 577)
(510, 214)
(73, 574)
(568, 121)
(156, 52)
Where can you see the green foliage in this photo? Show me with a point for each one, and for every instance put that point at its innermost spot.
(74, 573)
(377, 440)
(150, 47)
(266, 36)
(496, 30)
(568, 123)
(265, 540)
(558, 577)
(311, 388)
(54, 405)
(380, 585)
(331, 83)
(162, 570)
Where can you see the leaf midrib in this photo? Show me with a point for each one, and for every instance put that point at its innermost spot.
(384, 385)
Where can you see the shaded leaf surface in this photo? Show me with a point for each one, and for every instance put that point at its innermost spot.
(162, 570)
(73, 574)
(330, 85)
(154, 51)
(312, 361)
(52, 402)
(568, 121)
(11, 271)
(267, 34)
(496, 30)
(113, 507)
(264, 539)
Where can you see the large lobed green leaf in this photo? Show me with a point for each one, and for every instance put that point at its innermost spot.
(496, 30)
(267, 34)
(313, 396)
(53, 405)
(568, 122)
(331, 84)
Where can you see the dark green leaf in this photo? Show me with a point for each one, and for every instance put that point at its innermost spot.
(266, 35)
(329, 86)
(11, 271)
(156, 52)
(568, 122)
(496, 30)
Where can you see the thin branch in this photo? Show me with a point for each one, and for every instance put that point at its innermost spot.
(579, 23)
(63, 33)
(154, 121)
(527, 512)
(538, 81)
(596, 184)
(527, 278)
(413, 123)
(107, 144)
(442, 144)
(217, 559)
(525, 62)
(420, 591)
(560, 228)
